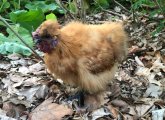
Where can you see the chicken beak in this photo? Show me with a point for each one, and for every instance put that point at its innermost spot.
(36, 37)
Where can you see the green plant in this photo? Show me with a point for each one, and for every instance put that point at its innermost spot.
(77, 9)
(46, 7)
(28, 19)
(151, 8)
(12, 44)
(4, 4)
(25, 17)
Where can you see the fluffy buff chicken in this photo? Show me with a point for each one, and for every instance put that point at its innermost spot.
(82, 55)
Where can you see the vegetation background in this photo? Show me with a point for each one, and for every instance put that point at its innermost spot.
(25, 16)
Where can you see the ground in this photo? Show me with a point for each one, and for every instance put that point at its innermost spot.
(27, 91)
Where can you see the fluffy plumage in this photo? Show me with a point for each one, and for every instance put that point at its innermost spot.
(84, 55)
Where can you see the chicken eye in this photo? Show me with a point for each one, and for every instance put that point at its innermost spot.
(46, 36)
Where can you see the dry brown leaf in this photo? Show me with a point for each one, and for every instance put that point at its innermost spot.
(142, 109)
(50, 111)
(36, 67)
(113, 111)
(119, 103)
(3, 74)
(13, 110)
(94, 101)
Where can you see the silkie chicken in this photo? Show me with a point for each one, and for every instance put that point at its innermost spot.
(82, 55)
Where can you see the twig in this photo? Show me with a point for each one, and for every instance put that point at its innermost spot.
(21, 39)
(59, 2)
(108, 11)
(82, 11)
(111, 12)
(121, 6)
(133, 12)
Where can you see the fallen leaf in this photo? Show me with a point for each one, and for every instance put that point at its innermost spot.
(4, 65)
(3, 117)
(21, 62)
(16, 78)
(100, 113)
(42, 92)
(2, 112)
(12, 110)
(31, 81)
(158, 114)
(139, 62)
(3, 74)
(153, 91)
(114, 112)
(29, 93)
(36, 67)
(144, 107)
(14, 56)
(50, 111)
(37, 91)
(24, 70)
(119, 103)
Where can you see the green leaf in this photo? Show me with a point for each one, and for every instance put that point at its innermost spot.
(73, 8)
(15, 4)
(4, 5)
(12, 44)
(10, 47)
(24, 34)
(159, 28)
(3, 38)
(28, 19)
(51, 16)
(102, 3)
(45, 7)
(60, 10)
(154, 12)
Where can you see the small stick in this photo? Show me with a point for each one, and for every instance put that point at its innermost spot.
(111, 12)
(21, 39)
(59, 2)
(108, 11)
(121, 6)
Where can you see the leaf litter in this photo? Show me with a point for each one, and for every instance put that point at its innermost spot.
(27, 91)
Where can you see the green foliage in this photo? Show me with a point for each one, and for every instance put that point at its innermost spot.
(27, 16)
(11, 47)
(72, 7)
(12, 44)
(25, 34)
(28, 19)
(103, 3)
(139, 4)
(159, 28)
(44, 6)
(4, 5)
(3, 38)
(151, 8)
(51, 16)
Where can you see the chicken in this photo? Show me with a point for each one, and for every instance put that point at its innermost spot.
(82, 55)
